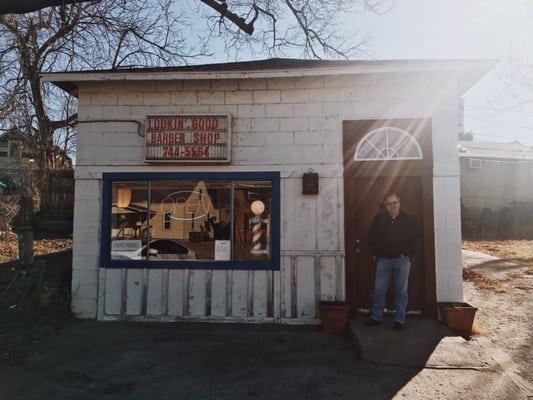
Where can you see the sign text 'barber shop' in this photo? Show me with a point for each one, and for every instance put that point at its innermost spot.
(188, 138)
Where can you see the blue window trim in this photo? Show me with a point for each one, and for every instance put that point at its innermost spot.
(105, 243)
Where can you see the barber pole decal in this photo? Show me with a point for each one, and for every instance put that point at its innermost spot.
(257, 236)
(188, 138)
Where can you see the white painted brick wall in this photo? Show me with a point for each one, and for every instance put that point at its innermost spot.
(179, 98)
(240, 97)
(446, 195)
(265, 125)
(279, 110)
(224, 84)
(286, 124)
(211, 98)
(266, 96)
(86, 245)
(252, 84)
(307, 109)
(252, 111)
(293, 124)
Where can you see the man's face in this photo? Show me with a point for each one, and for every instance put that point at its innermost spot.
(393, 206)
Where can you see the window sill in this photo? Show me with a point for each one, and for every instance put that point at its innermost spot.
(201, 265)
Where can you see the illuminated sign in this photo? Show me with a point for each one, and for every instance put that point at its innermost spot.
(185, 205)
(188, 138)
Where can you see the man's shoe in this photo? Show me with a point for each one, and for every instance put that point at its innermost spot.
(398, 326)
(372, 322)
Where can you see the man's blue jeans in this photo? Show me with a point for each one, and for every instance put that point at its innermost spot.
(399, 269)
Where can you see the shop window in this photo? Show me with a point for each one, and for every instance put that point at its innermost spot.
(388, 143)
(224, 220)
(129, 220)
(167, 223)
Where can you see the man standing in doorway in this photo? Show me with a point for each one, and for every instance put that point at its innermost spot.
(392, 239)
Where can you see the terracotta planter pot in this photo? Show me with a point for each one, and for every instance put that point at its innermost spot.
(333, 315)
(458, 317)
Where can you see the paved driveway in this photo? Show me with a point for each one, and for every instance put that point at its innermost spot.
(89, 360)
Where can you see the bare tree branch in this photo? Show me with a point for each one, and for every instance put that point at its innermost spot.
(222, 8)
(23, 7)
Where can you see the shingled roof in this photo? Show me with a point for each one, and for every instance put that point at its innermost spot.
(269, 68)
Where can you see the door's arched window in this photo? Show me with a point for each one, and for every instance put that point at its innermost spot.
(388, 143)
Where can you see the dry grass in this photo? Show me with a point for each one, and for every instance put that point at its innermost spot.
(484, 282)
(9, 247)
(518, 251)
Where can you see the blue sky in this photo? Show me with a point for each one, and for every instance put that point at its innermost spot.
(487, 29)
(492, 29)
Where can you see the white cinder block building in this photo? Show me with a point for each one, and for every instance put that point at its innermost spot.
(190, 185)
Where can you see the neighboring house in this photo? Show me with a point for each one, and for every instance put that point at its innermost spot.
(56, 204)
(213, 158)
(14, 158)
(496, 189)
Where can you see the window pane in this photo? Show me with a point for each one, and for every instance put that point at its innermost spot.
(252, 220)
(199, 214)
(129, 220)
(167, 222)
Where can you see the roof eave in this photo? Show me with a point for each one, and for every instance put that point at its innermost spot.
(470, 71)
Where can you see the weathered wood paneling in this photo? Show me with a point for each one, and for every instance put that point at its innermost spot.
(113, 297)
(285, 287)
(218, 293)
(327, 278)
(197, 292)
(239, 307)
(276, 294)
(327, 221)
(176, 288)
(134, 291)
(260, 294)
(305, 286)
(154, 305)
(292, 293)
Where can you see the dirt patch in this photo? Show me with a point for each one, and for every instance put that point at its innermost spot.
(504, 304)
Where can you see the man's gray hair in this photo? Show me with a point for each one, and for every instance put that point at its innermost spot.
(393, 194)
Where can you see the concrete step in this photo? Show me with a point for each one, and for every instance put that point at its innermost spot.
(423, 343)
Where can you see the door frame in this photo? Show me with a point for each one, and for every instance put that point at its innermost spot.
(352, 132)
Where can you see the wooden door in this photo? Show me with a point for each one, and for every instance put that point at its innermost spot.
(366, 182)
(363, 201)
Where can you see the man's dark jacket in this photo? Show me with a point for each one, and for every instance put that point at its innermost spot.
(390, 238)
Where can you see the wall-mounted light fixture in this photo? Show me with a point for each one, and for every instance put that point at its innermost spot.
(310, 182)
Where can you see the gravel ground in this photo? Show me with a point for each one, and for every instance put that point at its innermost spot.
(505, 313)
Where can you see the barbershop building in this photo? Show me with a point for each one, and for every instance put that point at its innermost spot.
(244, 191)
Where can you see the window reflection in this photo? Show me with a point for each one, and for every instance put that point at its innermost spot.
(211, 220)
(129, 220)
(252, 226)
(189, 219)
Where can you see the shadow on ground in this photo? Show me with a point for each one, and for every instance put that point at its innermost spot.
(202, 361)
(24, 321)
